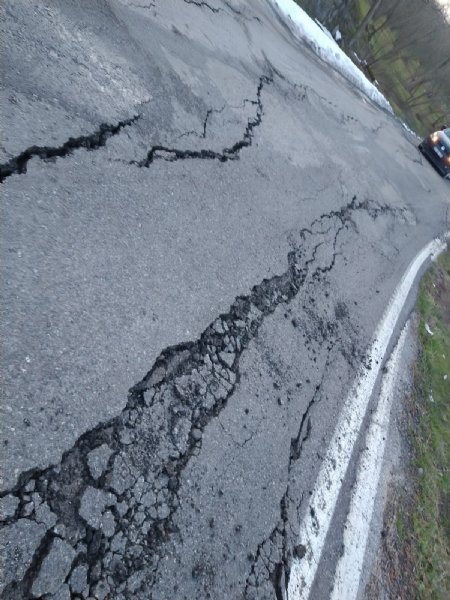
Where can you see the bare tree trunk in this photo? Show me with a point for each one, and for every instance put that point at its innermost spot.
(366, 20)
(387, 18)
(395, 52)
(428, 76)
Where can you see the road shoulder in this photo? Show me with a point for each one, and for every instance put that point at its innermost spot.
(411, 559)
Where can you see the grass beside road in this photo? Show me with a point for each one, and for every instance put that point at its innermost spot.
(429, 535)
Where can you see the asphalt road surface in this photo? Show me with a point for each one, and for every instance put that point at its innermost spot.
(202, 225)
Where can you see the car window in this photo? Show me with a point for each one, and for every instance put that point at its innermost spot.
(445, 141)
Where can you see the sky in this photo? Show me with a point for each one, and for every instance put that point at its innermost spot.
(445, 4)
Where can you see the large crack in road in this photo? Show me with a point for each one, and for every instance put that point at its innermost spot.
(19, 164)
(198, 487)
(214, 9)
(98, 520)
(217, 9)
(273, 557)
(228, 153)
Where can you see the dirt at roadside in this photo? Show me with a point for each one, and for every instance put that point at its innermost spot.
(392, 577)
(393, 574)
(402, 560)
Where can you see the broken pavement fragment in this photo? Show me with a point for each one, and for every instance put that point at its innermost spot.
(227, 358)
(98, 459)
(122, 477)
(18, 544)
(54, 568)
(93, 504)
(8, 507)
(44, 515)
(78, 579)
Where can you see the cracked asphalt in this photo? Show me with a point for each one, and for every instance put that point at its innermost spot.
(202, 225)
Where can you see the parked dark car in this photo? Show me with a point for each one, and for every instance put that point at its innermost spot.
(436, 148)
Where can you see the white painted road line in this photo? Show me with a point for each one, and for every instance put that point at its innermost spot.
(356, 533)
(315, 525)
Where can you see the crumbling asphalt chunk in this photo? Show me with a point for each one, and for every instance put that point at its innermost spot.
(54, 568)
(78, 579)
(106, 511)
(93, 504)
(98, 460)
(8, 507)
(18, 544)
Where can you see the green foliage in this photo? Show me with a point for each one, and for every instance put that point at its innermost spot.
(404, 64)
(430, 521)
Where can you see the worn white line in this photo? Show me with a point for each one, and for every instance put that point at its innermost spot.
(315, 525)
(357, 527)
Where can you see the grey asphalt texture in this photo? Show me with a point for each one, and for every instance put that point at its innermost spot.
(201, 227)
